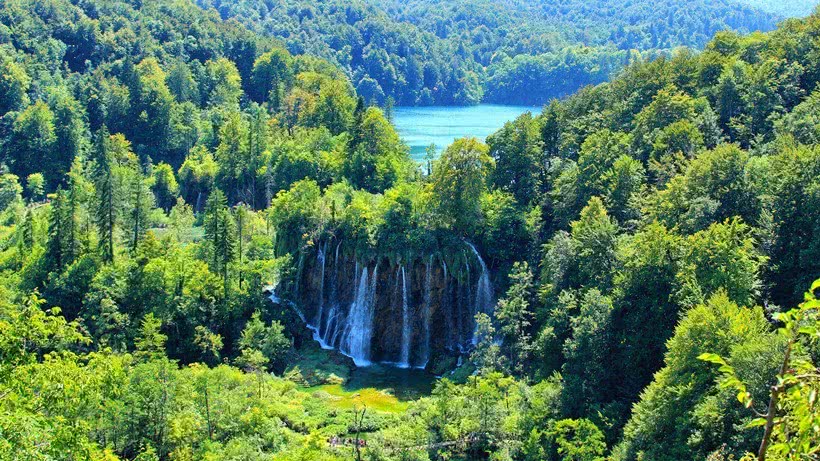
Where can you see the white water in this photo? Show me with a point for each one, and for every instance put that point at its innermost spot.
(484, 290)
(359, 329)
(406, 327)
(428, 278)
(348, 326)
(320, 258)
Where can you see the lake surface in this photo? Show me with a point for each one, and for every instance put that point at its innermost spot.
(440, 125)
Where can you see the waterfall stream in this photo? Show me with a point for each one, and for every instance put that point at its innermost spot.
(406, 327)
(426, 313)
(359, 330)
(484, 290)
(405, 317)
(320, 257)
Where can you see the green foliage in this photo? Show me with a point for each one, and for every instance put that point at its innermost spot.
(436, 52)
(652, 206)
(662, 421)
(790, 411)
(514, 316)
(459, 179)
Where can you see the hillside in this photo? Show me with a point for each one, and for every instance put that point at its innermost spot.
(212, 248)
(438, 52)
(784, 8)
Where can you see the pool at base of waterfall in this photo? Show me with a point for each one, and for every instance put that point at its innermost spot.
(403, 383)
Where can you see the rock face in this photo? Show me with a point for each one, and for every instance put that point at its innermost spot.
(400, 313)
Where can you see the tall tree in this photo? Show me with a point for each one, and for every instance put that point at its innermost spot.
(220, 234)
(106, 213)
(514, 317)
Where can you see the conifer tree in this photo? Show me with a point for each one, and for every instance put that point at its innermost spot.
(220, 234)
(105, 214)
(514, 316)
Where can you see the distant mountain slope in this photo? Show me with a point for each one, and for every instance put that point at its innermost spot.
(512, 51)
(638, 24)
(784, 8)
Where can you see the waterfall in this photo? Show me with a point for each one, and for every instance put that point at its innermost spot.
(359, 329)
(428, 280)
(406, 327)
(484, 290)
(320, 258)
(300, 266)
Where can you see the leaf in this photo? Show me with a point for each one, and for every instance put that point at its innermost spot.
(712, 358)
(757, 422)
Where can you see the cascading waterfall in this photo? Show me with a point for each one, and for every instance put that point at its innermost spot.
(320, 258)
(422, 306)
(359, 329)
(484, 290)
(426, 312)
(406, 327)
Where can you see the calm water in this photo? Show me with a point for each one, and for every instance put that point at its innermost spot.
(405, 384)
(440, 125)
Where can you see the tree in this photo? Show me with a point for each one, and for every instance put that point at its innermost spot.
(586, 352)
(486, 356)
(198, 176)
(10, 190)
(269, 341)
(379, 159)
(70, 133)
(35, 186)
(789, 412)
(516, 149)
(721, 258)
(220, 233)
(223, 85)
(106, 212)
(685, 394)
(32, 143)
(459, 180)
(164, 185)
(577, 440)
(140, 201)
(150, 342)
(514, 317)
(14, 84)
(271, 77)
(151, 104)
(594, 236)
(430, 154)
(182, 219)
(644, 315)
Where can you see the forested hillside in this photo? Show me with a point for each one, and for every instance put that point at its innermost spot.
(441, 52)
(784, 8)
(203, 236)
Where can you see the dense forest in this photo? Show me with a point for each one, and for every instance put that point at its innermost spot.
(423, 52)
(188, 210)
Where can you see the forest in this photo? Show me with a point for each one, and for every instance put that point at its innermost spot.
(435, 52)
(204, 236)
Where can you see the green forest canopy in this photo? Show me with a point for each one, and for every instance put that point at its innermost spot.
(160, 165)
(424, 52)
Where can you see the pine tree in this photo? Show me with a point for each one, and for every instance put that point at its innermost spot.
(105, 214)
(220, 234)
(514, 316)
(241, 223)
(139, 203)
(62, 248)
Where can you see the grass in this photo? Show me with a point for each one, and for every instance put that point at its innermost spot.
(372, 398)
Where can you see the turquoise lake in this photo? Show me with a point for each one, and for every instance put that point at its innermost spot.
(440, 125)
